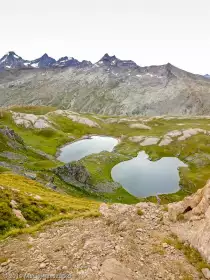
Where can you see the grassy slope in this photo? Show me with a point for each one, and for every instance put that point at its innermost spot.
(52, 205)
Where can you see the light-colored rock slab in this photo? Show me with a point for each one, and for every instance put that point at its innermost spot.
(139, 126)
(191, 132)
(150, 141)
(31, 121)
(75, 117)
(136, 139)
(174, 133)
(165, 141)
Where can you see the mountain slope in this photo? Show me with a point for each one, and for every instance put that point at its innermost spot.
(113, 90)
(111, 86)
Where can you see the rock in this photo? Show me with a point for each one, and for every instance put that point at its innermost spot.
(174, 133)
(112, 269)
(150, 141)
(196, 204)
(51, 185)
(41, 124)
(165, 141)
(136, 139)
(13, 203)
(190, 132)
(12, 156)
(43, 265)
(37, 197)
(74, 173)
(31, 121)
(139, 125)
(206, 273)
(18, 214)
(13, 139)
(30, 175)
(194, 231)
(75, 117)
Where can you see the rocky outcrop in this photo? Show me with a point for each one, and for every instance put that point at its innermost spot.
(144, 140)
(136, 139)
(13, 140)
(150, 141)
(194, 205)
(31, 120)
(75, 117)
(166, 140)
(190, 132)
(194, 211)
(75, 174)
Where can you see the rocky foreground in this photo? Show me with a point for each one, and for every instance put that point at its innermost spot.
(126, 242)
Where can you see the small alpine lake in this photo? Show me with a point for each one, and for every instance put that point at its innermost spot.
(87, 146)
(142, 177)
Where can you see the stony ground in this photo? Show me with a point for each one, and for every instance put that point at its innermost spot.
(126, 242)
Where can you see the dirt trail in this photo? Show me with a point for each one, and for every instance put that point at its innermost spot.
(120, 245)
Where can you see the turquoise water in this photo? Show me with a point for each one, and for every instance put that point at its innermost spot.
(142, 177)
(85, 147)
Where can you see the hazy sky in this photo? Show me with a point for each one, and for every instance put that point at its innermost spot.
(146, 31)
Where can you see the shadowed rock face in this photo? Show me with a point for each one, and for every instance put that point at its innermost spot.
(111, 87)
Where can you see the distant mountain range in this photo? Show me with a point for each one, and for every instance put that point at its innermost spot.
(13, 61)
(110, 86)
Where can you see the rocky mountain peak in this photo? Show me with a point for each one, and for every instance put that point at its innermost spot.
(11, 60)
(66, 61)
(107, 60)
(110, 61)
(44, 61)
